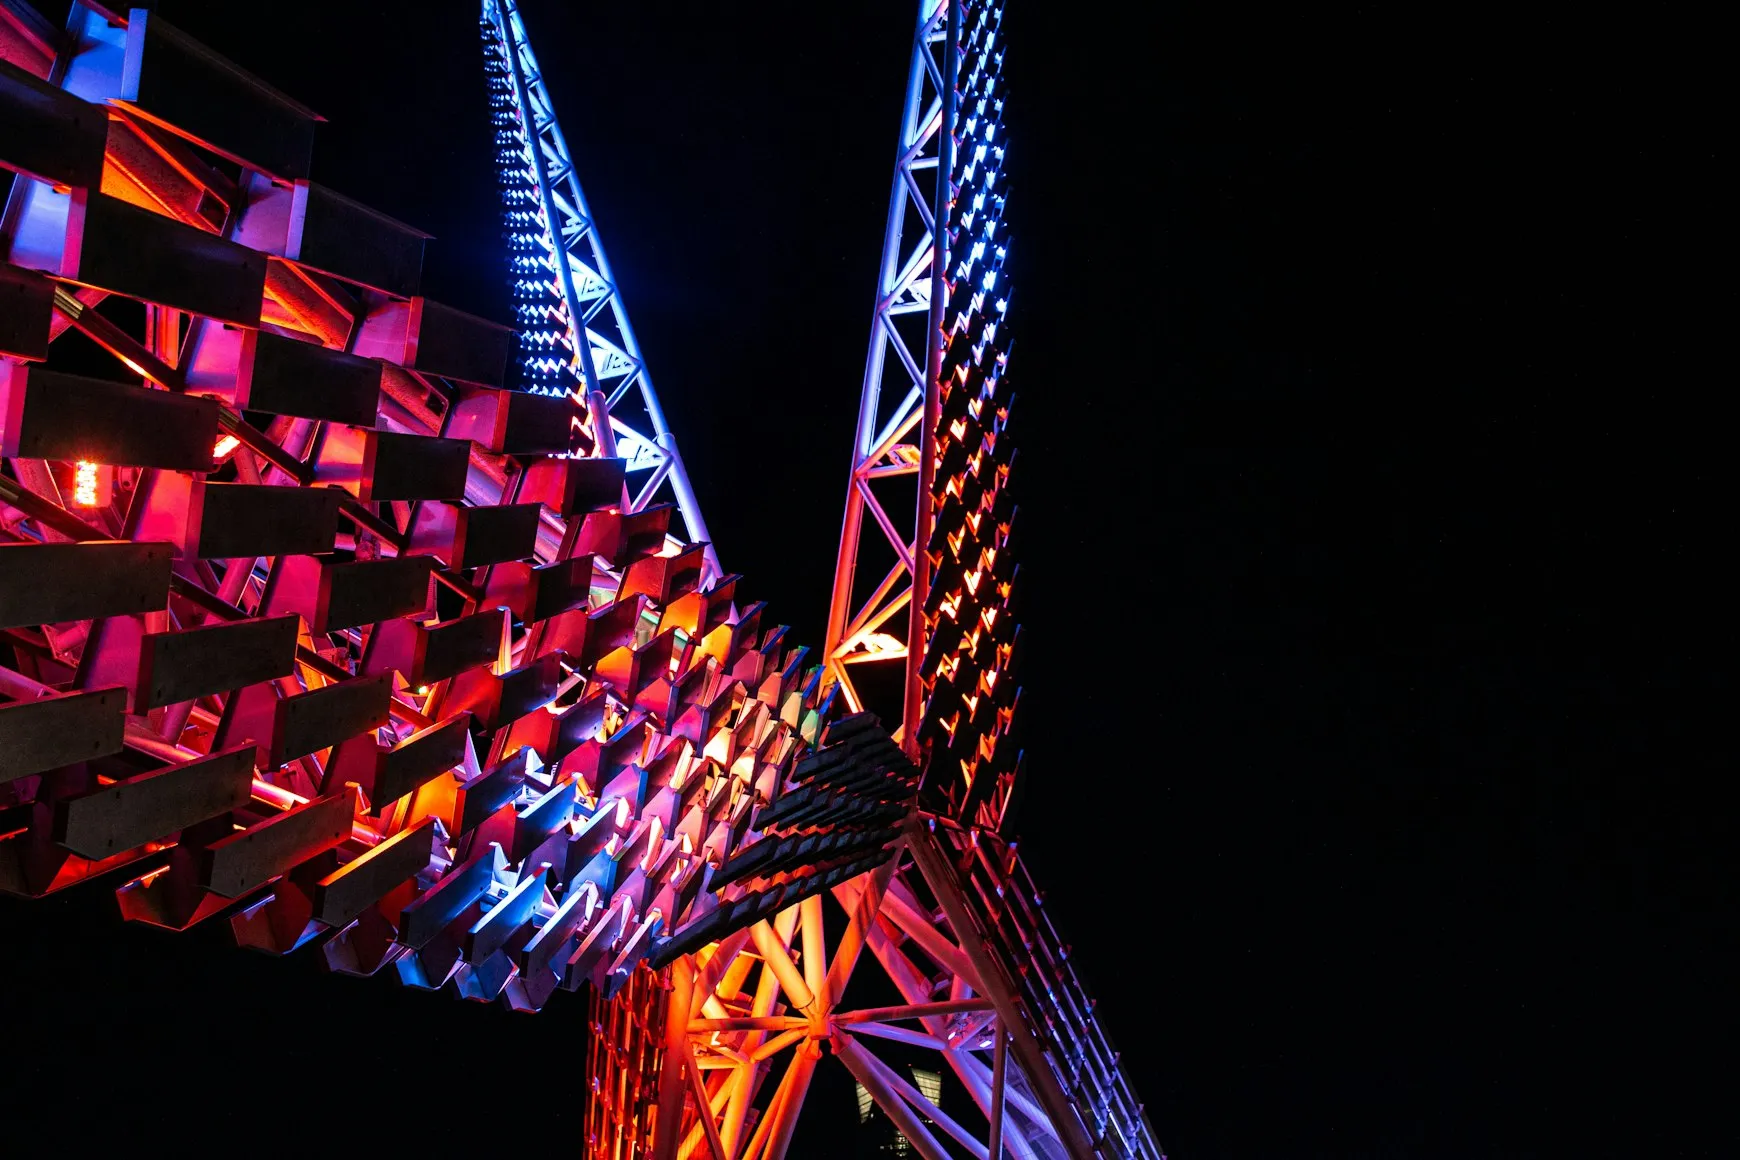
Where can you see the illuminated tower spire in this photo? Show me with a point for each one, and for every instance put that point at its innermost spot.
(562, 283)
(935, 408)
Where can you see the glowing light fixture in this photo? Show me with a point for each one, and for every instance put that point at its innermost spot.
(85, 484)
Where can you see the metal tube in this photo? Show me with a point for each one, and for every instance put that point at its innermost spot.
(777, 1044)
(939, 876)
(863, 912)
(999, 1062)
(859, 627)
(716, 967)
(923, 931)
(910, 983)
(897, 1083)
(815, 954)
(773, 953)
(686, 501)
(599, 412)
(667, 1135)
(737, 1107)
(977, 1081)
(715, 1101)
(897, 1034)
(803, 1067)
(703, 1104)
(746, 1023)
(519, 51)
(912, 1011)
(846, 561)
(775, 1109)
(891, 1104)
(905, 554)
(933, 353)
(899, 424)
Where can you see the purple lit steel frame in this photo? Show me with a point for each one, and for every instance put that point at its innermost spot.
(908, 290)
(941, 299)
(950, 911)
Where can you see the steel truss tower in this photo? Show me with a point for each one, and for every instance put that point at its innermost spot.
(562, 282)
(934, 411)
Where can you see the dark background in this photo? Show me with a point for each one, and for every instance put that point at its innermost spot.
(1371, 467)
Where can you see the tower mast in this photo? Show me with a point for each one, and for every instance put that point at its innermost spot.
(938, 353)
(563, 283)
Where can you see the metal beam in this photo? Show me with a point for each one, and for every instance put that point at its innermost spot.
(933, 354)
(1059, 1109)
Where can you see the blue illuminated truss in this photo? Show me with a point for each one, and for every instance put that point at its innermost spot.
(903, 341)
(562, 283)
(930, 289)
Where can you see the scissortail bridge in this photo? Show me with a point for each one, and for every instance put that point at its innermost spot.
(370, 627)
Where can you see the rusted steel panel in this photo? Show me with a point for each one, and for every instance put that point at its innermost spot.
(53, 583)
(49, 415)
(227, 520)
(179, 666)
(232, 866)
(124, 249)
(319, 718)
(155, 805)
(50, 134)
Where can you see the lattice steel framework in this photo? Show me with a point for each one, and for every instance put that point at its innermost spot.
(935, 410)
(562, 282)
(937, 356)
(398, 678)
(892, 402)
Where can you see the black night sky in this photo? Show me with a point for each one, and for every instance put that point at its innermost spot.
(1370, 558)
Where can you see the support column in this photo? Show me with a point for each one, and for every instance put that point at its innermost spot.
(803, 1067)
(999, 1062)
(703, 1104)
(667, 1131)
